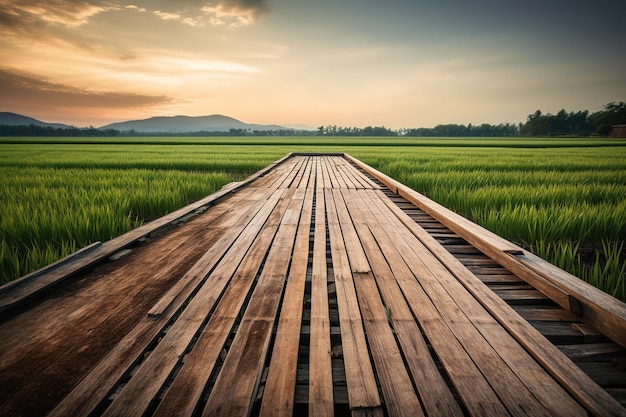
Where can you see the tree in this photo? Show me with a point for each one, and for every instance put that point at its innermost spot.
(612, 114)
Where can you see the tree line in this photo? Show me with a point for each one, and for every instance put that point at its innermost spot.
(34, 130)
(581, 123)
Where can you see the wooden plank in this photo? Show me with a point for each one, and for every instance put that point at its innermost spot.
(399, 397)
(515, 376)
(522, 296)
(287, 180)
(86, 396)
(436, 397)
(320, 370)
(319, 178)
(306, 177)
(357, 178)
(331, 172)
(301, 172)
(365, 181)
(346, 170)
(334, 164)
(327, 182)
(135, 397)
(341, 169)
(286, 173)
(545, 314)
(385, 312)
(279, 394)
(186, 390)
(497, 279)
(236, 384)
(590, 351)
(361, 382)
(194, 276)
(572, 378)
(277, 176)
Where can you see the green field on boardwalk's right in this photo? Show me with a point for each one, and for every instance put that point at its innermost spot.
(564, 199)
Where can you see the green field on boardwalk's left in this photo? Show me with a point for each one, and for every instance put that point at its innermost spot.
(564, 199)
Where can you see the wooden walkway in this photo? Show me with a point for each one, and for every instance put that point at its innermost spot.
(313, 288)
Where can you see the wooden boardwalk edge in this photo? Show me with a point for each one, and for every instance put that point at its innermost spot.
(603, 311)
(16, 292)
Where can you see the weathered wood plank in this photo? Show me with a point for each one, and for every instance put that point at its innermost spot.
(320, 370)
(236, 384)
(183, 395)
(307, 177)
(293, 169)
(349, 181)
(328, 166)
(192, 278)
(362, 390)
(135, 397)
(496, 279)
(279, 394)
(603, 311)
(335, 165)
(319, 178)
(302, 172)
(325, 177)
(360, 176)
(590, 351)
(399, 396)
(437, 399)
(545, 313)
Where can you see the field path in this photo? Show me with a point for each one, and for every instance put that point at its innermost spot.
(317, 286)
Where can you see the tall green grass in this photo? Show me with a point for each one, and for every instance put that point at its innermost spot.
(48, 213)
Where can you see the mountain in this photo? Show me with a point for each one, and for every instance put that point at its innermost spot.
(186, 124)
(14, 119)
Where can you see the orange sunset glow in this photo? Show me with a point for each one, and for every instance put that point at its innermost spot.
(350, 63)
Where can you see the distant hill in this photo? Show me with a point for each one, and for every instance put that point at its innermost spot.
(187, 124)
(14, 119)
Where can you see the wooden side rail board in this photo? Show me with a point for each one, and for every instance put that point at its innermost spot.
(9, 286)
(601, 310)
(25, 288)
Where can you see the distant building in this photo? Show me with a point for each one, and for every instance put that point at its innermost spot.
(619, 131)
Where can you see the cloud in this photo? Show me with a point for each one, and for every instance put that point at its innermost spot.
(61, 12)
(167, 15)
(133, 7)
(221, 13)
(24, 90)
(31, 18)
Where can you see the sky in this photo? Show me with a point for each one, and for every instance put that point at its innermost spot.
(393, 63)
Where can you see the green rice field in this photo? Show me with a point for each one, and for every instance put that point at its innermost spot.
(564, 199)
